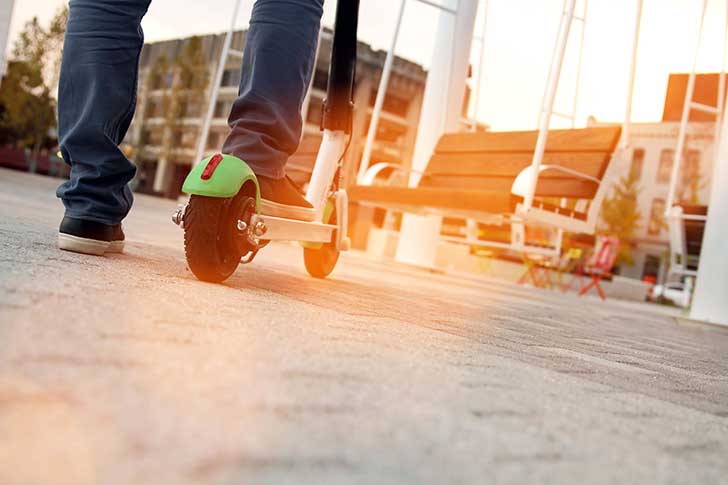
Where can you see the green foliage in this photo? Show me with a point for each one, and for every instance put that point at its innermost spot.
(55, 34)
(621, 216)
(28, 107)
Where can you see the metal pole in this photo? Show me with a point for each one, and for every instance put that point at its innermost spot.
(548, 106)
(721, 80)
(216, 85)
(626, 125)
(578, 65)
(677, 160)
(479, 84)
(709, 302)
(381, 94)
(441, 109)
(307, 99)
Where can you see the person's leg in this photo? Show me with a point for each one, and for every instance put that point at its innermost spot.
(96, 101)
(265, 120)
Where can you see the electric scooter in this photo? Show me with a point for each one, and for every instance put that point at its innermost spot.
(223, 224)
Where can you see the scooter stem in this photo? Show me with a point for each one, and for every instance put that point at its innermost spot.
(338, 106)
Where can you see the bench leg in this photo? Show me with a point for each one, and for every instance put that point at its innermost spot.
(524, 277)
(526, 273)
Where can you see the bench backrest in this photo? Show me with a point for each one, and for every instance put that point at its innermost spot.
(492, 160)
(300, 165)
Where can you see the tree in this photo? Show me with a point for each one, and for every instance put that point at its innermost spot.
(26, 95)
(29, 110)
(621, 216)
(55, 35)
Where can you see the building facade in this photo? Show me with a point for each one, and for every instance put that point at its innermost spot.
(651, 159)
(161, 171)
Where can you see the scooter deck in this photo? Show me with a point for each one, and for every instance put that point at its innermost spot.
(279, 229)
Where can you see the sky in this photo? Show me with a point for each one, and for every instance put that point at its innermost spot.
(518, 43)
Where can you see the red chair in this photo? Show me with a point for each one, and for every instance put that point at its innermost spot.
(600, 264)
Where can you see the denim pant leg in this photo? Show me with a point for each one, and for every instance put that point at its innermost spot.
(96, 101)
(277, 65)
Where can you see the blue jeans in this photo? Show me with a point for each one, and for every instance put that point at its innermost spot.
(97, 96)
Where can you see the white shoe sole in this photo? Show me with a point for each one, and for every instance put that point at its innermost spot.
(82, 245)
(116, 247)
(269, 208)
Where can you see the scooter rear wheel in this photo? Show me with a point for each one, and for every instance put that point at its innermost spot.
(212, 244)
(320, 262)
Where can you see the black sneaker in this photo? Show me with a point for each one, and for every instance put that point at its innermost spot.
(283, 198)
(117, 240)
(89, 237)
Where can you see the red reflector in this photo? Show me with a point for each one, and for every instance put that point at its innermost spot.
(211, 166)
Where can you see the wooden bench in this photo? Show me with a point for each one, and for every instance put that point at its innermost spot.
(474, 175)
(300, 165)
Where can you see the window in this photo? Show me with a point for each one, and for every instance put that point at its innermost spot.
(657, 217)
(151, 137)
(664, 169)
(315, 112)
(386, 131)
(189, 109)
(320, 79)
(231, 78)
(651, 268)
(638, 161)
(213, 141)
(152, 110)
(145, 137)
(158, 82)
(222, 109)
(190, 80)
(691, 165)
(163, 80)
(183, 109)
(176, 138)
(189, 139)
(392, 104)
(690, 179)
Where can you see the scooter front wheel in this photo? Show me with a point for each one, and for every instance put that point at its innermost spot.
(213, 246)
(321, 261)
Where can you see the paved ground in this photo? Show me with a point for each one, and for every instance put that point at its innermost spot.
(126, 370)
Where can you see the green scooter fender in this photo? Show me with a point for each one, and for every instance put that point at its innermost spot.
(220, 176)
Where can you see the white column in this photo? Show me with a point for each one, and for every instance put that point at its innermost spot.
(627, 123)
(710, 302)
(441, 110)
(6, 14)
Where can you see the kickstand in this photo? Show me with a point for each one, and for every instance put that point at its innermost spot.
(248, 258)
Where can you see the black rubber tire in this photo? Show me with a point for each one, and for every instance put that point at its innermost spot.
(321, 262)
(209, 252)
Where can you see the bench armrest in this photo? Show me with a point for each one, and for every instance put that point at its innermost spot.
(525, 178)
(371, 174)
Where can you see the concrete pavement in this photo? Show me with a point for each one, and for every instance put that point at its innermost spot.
(127, 370)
